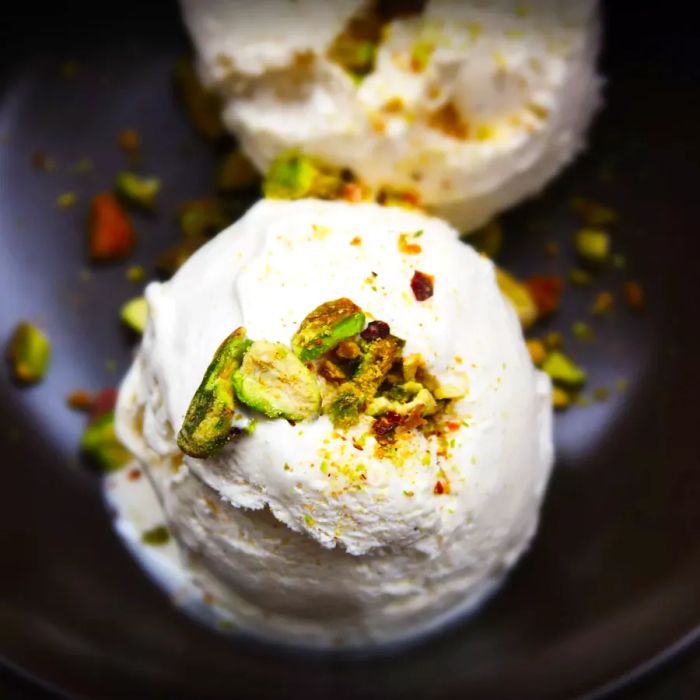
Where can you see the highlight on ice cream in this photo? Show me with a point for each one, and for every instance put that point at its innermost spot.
(341, 422)
(464, 107)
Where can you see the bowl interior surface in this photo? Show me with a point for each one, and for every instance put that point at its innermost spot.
(611, 580)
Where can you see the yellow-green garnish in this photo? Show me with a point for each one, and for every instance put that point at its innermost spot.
(134, 314)
(519, 296)
(416, 396)
(593, 245)
(29, 353)
(207, 424)
(563, 370)
(293, 175)
(325, 327)
(274, 381)
(200, 218)
(137, 189)
(156, 536)
(101, 447)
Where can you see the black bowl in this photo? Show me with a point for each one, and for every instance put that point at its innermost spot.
(611, 583)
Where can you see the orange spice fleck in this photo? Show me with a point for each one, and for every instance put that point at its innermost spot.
(407, 247)
(453, 425)
(134, 474)
(634, 295)
(448, 120)
(356, 241)
(129, 140)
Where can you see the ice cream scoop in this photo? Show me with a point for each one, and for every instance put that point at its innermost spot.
(320, 529)
(473, 106)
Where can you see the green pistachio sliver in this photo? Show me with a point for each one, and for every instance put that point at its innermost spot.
(353, 396)
(325, 327)
(101, 447)
(593, 244)
(207, 424)
(156, 536)
(563, 370)
(274, 381)
(137, 189)
(290, 176)
(29, 353)
(134, 314)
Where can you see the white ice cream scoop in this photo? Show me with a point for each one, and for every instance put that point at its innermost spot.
(315, 534)
(473, 105)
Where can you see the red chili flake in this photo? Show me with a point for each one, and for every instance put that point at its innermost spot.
(453, 425)
(634, 295)
(110, 232)
(357, 446)
(134, 474)
(422, 285)
(385, 425)
(442, 485)
(375, 330)
(439, 488)
(411, 198)
(80, 400)
(363, 476)
(352, 192)
(104, 402)
(546, 291)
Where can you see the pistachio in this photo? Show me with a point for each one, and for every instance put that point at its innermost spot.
(293, 175)
(29, 353)
(156, 536)
(422, 399)
(207, 424)
(134, 314)
(200, 218)
(137, 189)
(101, 447)
(352, 396)
(563, 370)
(325, 327)
(274, 381)
(519, 296)
(593, 244)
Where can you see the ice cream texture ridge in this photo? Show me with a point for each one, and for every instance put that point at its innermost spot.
(470, 106)
(319, 530)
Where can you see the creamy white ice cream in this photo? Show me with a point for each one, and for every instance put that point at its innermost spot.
(474, 105)
(302, 534)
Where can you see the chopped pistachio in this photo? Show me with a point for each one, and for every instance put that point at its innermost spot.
(449, 391)
(293, 175)
(619, 261)
(207, 424)
(331, 372)
(579, 276)
(200, 218)
(352, 396)
(601, 393)
(554, 340)
(593, 245)
(582, 330)
(603, 303)
(488, 239)
(135, 273)
(422, 399)
(325, 327)
(66, 200)
(101, 447)
(519, 296)
(137, 189)
(563, 370)
(274, 381)
(156, 536)
(348, 350)
(29, 353)
(134, 313)
(236, 173)
(202, 107)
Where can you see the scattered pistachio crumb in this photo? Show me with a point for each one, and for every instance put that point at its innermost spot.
(603, 303)
(582, 331)
(560, 399)
(579, 276)
(156, 536)
(309, 520)
(621, 384)
(619, 261)
(135, 273)
(593, 244)
(66, 200)
(601, 393)
(537, 351)
(408, 493)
